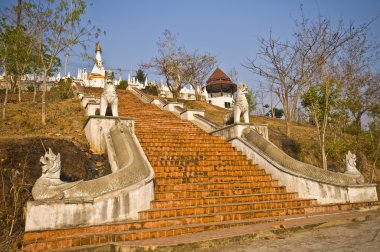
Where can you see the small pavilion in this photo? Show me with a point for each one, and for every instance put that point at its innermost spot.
(220, 89)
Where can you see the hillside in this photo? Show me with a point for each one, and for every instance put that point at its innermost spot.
(21, 148)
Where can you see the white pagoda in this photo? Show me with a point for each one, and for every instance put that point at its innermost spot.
(96, 77)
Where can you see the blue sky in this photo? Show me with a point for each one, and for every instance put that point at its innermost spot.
(227, 29)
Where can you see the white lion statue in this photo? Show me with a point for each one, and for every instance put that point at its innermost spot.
(240, 107)
(109, 95)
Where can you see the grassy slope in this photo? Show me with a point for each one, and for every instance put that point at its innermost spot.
(65, 119)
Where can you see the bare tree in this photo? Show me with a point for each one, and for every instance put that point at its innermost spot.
(57, 27)
(170, 63)
(278, 63)
(361, 86)
(197, 69)
(290, 65)
(233, 74)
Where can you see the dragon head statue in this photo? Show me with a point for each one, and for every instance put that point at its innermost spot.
(51, 165)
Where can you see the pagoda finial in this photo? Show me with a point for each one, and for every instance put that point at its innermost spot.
(98, 47)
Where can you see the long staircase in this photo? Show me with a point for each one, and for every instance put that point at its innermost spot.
(201, 183)
(200, 180)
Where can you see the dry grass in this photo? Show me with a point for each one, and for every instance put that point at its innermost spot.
(65, 120)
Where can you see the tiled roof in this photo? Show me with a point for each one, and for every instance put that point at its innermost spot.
(219, 77)
(219, 81)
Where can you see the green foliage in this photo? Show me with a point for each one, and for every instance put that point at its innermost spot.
(278, 112)
(152, 89)
(63, 90)
(322, 100)
(122, 85)
(30, 88)
(141, 76)
(16, 50)
(251, 98)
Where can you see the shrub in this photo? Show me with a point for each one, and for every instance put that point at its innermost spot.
(63, 90)
(122, 85)
(30, 88)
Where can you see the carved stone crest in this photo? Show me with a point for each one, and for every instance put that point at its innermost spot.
(351, 169)
(49, 186)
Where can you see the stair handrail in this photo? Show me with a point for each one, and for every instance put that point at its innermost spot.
(142, 94)
(211, 123)
(284, 162)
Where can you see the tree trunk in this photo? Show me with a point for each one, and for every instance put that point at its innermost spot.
(287, 122)
(5, 102)
(323, 151)
(43, 102)
(19, 89)
(175, 95)
(197, 96)
(34, 91)
(358, 125)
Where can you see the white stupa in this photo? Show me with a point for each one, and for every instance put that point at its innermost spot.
(96, 77)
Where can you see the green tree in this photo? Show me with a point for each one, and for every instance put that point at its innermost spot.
(275, 112)
(251, 98)
(141, 76)
(321, 101)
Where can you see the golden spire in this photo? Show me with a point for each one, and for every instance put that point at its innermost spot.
(98, 47)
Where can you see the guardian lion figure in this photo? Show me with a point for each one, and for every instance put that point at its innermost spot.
(240, 107)
(49, 186)
(109, 95)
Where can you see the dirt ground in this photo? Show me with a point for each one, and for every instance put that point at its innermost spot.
(352, 237)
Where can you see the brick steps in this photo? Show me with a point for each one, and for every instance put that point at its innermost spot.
(163, 172)
(219, 192)
(183, 148)
(182, 145)
(98, 235)
(198, 162)
(225, 209)
(184, 202)
(178, 157)
(204, 154)
(228, 169)
(218, 179)
(214, 185)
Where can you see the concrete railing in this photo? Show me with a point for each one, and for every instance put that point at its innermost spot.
(118, 196)
(92, 108)
(140, 94)
(309, 181)
(173, 107)
(89, 98)
(235, 130)
(204, 123)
